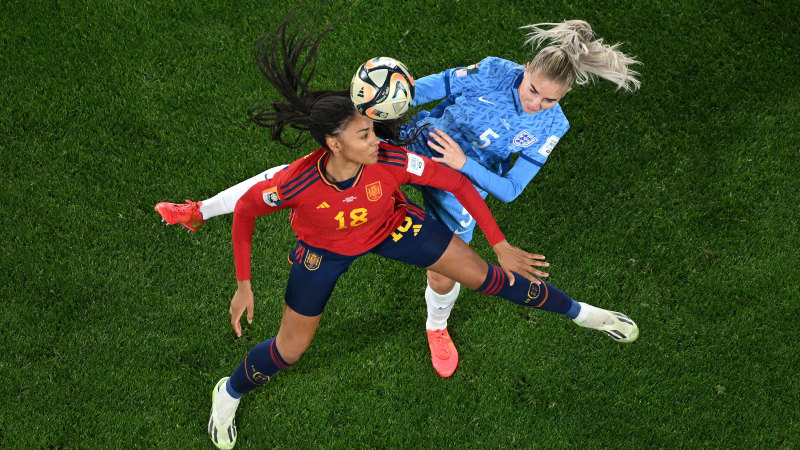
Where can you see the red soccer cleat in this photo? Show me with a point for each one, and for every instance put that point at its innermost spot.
(187, 214)
(443, 352)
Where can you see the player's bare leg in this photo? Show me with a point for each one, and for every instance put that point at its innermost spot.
(461, 263)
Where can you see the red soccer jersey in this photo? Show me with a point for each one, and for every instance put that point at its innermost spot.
(349, 221)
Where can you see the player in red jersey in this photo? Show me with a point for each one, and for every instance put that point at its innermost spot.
(345, 202)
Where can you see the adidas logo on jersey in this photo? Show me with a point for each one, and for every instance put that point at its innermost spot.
(323, 205)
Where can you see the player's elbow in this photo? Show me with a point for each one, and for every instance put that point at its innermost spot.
(506, 199)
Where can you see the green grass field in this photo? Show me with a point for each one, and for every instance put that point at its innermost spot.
(677, 205)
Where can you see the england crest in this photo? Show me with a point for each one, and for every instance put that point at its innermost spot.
(524, 139)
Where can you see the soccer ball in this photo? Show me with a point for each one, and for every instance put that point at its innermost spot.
(382, 89)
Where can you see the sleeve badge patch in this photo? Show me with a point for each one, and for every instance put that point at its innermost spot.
(416, 164)
(271, 196)
(548, 146)
(467, 70)
(374, 192)
(525, 139)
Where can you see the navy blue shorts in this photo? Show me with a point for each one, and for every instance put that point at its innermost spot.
(419, 241)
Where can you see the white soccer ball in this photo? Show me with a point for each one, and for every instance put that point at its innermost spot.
(382, 89)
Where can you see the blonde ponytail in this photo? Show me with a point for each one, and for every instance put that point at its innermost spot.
(573, 56)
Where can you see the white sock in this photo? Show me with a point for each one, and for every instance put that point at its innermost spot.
(439, 307)
(225, 201)
(592, 316)
(225, 405)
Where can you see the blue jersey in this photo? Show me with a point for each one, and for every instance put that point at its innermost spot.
(481, 111)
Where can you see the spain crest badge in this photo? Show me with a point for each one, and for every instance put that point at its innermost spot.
(312, 261)
(374, 192)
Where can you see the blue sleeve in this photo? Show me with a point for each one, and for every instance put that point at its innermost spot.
(507, 188)
(479, 76)
(430, 88)
(504, 188)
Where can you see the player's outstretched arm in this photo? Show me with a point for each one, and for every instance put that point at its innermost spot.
(503, 187)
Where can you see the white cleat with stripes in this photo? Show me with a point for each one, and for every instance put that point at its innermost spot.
(621, 329)
(222, 430)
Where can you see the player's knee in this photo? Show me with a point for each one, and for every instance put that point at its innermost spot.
(440, 283)
(292, 349)
(292, 354)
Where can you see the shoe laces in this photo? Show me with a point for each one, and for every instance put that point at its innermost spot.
(440, 342)
(189, 206)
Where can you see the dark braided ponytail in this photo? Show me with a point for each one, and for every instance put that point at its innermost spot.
(288, 62)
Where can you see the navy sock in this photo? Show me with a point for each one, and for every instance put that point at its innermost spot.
(523, 292)
(258, 367)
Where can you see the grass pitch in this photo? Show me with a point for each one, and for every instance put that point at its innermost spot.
(677, 205)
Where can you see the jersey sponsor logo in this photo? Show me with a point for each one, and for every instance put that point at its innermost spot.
(524, 139)
(374, 192)
(416, 164)
(312, 261)
(481, 99)
(548, 146)
(271, 196)
(323, 205)
(350, 199)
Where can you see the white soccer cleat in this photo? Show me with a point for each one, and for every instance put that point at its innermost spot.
(621, 329)
(222, 430)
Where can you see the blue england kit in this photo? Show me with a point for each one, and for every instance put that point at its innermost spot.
(481, 111)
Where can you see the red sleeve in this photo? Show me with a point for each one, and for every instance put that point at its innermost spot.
(425, 171)
(251, 205)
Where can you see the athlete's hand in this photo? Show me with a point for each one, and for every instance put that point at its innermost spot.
(520, 261)
(242, 300)
(452, 155)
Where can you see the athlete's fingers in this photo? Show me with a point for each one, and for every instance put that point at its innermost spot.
(446, 137)
(436, 147)
(439, 145)
(237, 327)
(443, 138)
(510, 276)
(533, 275)
(540, 274)
(250, 312)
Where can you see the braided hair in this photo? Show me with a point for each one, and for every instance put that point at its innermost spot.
(288, 61)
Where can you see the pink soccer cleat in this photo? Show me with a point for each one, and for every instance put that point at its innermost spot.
(187, 214)
(443, 352)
